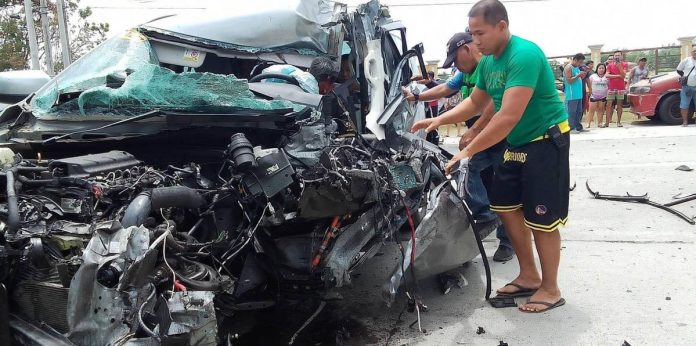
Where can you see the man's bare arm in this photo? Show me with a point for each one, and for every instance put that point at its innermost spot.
(481, 123)
(515, 101)
(433, 94)
(631, 74)
(464, 111)
(486, 117)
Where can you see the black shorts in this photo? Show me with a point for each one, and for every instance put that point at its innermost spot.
(536, 178)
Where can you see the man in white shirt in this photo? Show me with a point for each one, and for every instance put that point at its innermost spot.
(688, 92)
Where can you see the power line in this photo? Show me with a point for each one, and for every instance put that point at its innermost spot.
(146, 8)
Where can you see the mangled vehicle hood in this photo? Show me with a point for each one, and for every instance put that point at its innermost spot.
(154, 193)
(265, 26)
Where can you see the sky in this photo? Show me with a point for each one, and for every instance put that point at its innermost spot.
(559, 27)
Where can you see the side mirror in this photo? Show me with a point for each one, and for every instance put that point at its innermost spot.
(17, 85)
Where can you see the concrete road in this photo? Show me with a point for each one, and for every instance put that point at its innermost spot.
(627, 270)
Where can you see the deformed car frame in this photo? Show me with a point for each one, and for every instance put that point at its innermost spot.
(152, 194)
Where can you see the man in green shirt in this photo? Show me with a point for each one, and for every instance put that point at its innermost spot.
(531, 187)
(462, 53)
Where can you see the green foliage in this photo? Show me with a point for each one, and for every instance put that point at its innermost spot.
(14, 43)
(666, 60)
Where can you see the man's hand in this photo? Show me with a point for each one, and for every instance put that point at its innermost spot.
(408, 94)
(468, 136)
(460, 158)
(429, 125)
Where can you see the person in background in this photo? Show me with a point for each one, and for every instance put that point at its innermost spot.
(616, 73)
(572, 80)
(598, 87)
(433, 105)
(638, 73)
(589, 67)
(688, 91)
(325, 71)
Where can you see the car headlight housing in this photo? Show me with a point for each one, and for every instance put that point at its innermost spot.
(640, 90)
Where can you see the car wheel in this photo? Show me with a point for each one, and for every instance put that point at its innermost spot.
(669, 110)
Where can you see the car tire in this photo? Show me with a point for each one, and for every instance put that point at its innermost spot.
(669, 110)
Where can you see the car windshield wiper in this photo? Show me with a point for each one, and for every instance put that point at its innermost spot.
(150, 114)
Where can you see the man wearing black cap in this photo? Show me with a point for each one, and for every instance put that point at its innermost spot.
(465, 57)
(530, 191)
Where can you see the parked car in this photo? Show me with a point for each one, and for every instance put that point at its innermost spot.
(657, 98)
(157, 189)
(17, 85)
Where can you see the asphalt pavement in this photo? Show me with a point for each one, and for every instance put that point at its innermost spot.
(627, 270)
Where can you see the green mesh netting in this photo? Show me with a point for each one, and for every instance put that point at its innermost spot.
(153, 86)
(146, 86)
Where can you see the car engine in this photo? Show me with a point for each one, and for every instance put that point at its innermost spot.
(107, 249)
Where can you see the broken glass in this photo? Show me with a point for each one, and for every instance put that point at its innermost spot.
(123, 77)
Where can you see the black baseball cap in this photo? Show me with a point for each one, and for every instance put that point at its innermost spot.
(459, 39)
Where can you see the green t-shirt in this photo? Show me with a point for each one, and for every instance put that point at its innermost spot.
(469, 80)
(523, 64)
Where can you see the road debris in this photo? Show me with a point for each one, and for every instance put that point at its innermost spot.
(449, 280)
(502, 302)
(645, 200)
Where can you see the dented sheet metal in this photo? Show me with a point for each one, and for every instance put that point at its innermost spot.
(97, 315)
(269, 25)
(444, 240)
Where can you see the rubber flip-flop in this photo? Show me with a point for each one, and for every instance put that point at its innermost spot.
(523, 291)
(549, 306)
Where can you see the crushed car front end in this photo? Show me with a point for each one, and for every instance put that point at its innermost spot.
(150, 200)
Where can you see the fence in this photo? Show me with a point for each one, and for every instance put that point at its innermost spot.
(660, 59)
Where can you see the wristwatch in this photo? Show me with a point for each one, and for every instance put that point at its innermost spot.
(416, 97)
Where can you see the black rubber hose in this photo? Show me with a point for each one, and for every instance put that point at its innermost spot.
(140, 315)
(176, 196)
(12, 205)
(161, 197)
(479, 242)
(62, 181)
(214, 284)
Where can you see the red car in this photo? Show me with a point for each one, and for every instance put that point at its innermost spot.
(657, 98)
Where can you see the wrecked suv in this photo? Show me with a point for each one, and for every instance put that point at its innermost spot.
(164, 184)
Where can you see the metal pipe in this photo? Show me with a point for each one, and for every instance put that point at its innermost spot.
(63, 31)
(48, 55)
(12, 205)
(31, 33)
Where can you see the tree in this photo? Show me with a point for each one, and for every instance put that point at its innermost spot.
(14, 43)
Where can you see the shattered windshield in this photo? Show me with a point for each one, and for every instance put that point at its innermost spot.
(123, 77)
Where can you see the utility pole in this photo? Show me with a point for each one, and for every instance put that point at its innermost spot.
(63, 30)
(31, 32)
(43, 10)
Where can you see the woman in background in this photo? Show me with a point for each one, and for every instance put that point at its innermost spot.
(598, 88)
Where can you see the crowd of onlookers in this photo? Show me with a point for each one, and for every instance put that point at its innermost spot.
(596, 91)
(593, 92)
